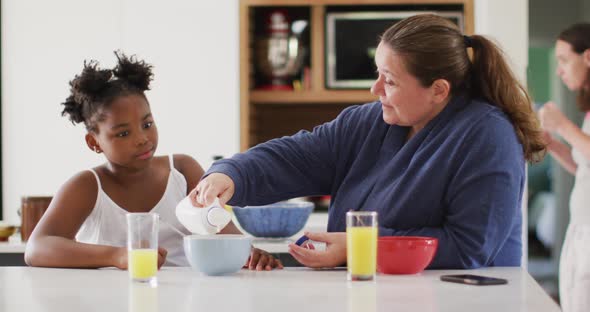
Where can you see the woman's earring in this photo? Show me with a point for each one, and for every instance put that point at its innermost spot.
(96, 149)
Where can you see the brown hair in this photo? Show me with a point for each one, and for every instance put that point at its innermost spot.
(578, 36)
(432, 48)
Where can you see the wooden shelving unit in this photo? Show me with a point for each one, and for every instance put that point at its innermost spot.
(311, 96)
(268, 114)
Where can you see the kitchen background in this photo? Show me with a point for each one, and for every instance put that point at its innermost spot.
(549, 184)
(193, 46)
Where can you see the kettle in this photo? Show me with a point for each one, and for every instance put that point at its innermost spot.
(206, 220)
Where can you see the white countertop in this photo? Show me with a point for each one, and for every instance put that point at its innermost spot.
(6, 247)
(291, 289)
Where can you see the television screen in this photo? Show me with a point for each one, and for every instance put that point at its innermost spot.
(352, 38)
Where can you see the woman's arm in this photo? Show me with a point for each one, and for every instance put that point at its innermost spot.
(193, 172)
(554, 120)
(52, 243)
(303, 164)
(575, 137)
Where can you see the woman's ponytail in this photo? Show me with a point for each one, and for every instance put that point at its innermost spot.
(492, 79)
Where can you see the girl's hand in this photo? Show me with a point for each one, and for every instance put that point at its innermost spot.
(551, 117)
(121, 257)
(162, 253)
(214, 185)
(334, 255)
(261, 260)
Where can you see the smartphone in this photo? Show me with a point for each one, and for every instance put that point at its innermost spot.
(471, 279)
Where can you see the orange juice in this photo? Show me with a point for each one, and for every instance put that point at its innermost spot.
(143, 263)
(361, 250)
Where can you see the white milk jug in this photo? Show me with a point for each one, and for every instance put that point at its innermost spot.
(207, 220)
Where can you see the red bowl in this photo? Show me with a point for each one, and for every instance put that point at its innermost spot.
(404, 254)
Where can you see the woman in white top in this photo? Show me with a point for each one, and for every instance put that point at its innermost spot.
(85, 224)
(572, 50)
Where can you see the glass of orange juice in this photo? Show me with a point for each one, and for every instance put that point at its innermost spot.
(361, 245)
(142, 246)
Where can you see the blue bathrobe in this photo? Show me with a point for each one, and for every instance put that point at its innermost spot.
(459, 179)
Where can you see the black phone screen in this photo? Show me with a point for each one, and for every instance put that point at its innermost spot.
(471, 279)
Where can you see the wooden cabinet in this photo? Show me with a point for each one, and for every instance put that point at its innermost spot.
(267, 114)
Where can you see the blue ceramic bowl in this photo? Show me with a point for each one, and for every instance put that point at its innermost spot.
(217, 254)
(282, 219)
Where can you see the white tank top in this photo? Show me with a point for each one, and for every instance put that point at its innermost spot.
(107, 224)
(580, 197)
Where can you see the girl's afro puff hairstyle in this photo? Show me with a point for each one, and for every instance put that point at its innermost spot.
(94, 89)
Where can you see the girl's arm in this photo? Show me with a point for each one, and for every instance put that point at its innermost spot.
(190, 169)
(562, 153)
(52, 243)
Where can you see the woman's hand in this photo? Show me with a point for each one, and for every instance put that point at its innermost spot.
(551, 117)
(214, 185)
(121, 257)
(334, 255)
(261, 260)
(549, 140)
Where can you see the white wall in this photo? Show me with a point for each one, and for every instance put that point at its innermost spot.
(192, 44)
(506, 21)
(194, 48)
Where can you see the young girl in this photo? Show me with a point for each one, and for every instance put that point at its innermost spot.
(85, 224)
(572, 50)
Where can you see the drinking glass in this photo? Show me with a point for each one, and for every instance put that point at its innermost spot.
(142, 246)
(361, 245)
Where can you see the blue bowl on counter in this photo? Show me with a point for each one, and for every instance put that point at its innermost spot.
(278, 220)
